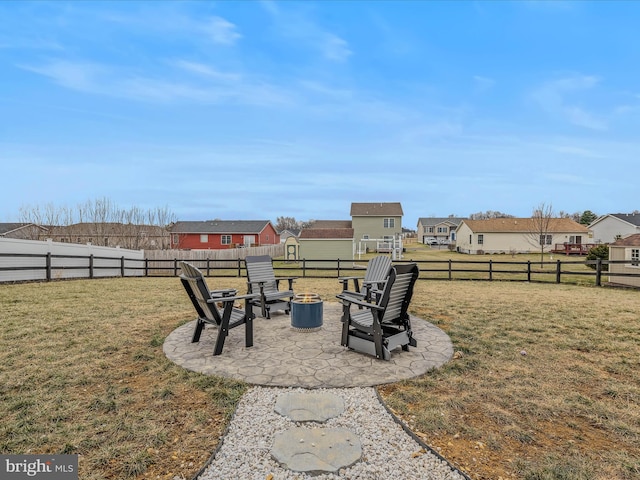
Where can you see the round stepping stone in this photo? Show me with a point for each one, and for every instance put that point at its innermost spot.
(316, 451)
(306, 407)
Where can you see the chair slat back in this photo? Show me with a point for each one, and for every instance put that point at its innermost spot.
(260, 269)
(196, 287)
(398, 292)
(377, 269)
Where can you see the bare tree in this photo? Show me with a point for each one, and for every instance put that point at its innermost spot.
(101, 222)
(540, 228)
(287, 223)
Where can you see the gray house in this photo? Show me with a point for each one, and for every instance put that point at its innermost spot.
(608, 228)
(437, 230)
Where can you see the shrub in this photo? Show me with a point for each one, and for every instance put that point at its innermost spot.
(599, 251)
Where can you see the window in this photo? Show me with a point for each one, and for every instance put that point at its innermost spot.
(428, 229)
(204, 238)
(365, 236)
(635, 257)
(480, 239)
(443, 229)
(389, 223)
(545, 239)
(175, 239)
(226, 239)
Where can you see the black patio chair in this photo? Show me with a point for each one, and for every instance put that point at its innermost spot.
(261, 280)
(216, 307)
(380, 327)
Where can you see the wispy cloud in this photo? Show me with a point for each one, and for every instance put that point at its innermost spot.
(301, 27)
(556, 98)
(221, 31)
(483, 84)
(122, 82)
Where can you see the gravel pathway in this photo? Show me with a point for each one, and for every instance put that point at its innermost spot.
(388, 452)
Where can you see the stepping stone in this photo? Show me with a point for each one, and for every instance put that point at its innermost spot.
(316, 451)
(306, 407)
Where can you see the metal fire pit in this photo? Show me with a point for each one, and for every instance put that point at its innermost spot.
(306, 312)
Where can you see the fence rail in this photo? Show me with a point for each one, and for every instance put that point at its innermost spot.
(50, 267)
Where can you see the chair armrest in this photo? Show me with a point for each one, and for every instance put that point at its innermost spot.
(226, 292)
(249, 296)
(347, 298)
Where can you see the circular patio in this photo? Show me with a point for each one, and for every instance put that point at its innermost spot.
(285, 357)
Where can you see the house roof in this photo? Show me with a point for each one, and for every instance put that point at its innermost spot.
(331, 224)
(526, 225)
(433, 221)
(327, 233)
(11, 227)
(633, 218)
(220, 226)
(392, 209)
(629, 241)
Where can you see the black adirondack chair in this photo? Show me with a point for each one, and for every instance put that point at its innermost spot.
(216, 307)
(380, 327)
(374, 278)
(261, 280)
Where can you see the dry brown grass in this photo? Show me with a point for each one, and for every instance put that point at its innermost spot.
(82, 371)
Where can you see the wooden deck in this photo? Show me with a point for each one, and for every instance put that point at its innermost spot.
(573, 248)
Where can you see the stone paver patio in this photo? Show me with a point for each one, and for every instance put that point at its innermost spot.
(285, 357)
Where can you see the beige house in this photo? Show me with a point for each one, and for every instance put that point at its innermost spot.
(25, 231)
(627, 250)
(517, 235)
(375, 223)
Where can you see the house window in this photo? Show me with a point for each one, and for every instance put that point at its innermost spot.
(175, 239)
(635, 257)
(480, 239)
(443, 230)
(204, 238)
(545, 239)
(389, 223)
(428, 229)
(365, 236)
(226, 239)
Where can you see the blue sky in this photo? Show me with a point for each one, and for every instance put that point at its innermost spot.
(254, 110)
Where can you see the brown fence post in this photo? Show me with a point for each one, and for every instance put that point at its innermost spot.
(122, 267)
(450, 277)
(490, 270)
(528, 270)
(558, 267)
(91, 266)
(599, 272)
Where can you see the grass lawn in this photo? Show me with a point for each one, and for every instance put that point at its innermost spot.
(545, 383)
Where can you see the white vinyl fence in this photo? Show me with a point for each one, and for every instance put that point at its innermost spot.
(22, 260)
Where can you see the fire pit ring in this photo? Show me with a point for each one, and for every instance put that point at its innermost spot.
(306, 312)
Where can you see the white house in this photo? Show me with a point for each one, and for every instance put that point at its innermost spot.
(626, 249)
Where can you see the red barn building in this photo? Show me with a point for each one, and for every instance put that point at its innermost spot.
(221, 234)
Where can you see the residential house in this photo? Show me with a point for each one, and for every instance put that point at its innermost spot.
(376, 223)
(437, 230)
(287, 233)
(625, 249)
(25, 231)
(608, 228)
(517, 235)
(112, 234)
(221, 234)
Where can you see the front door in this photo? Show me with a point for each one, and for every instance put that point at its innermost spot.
(249, 240)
